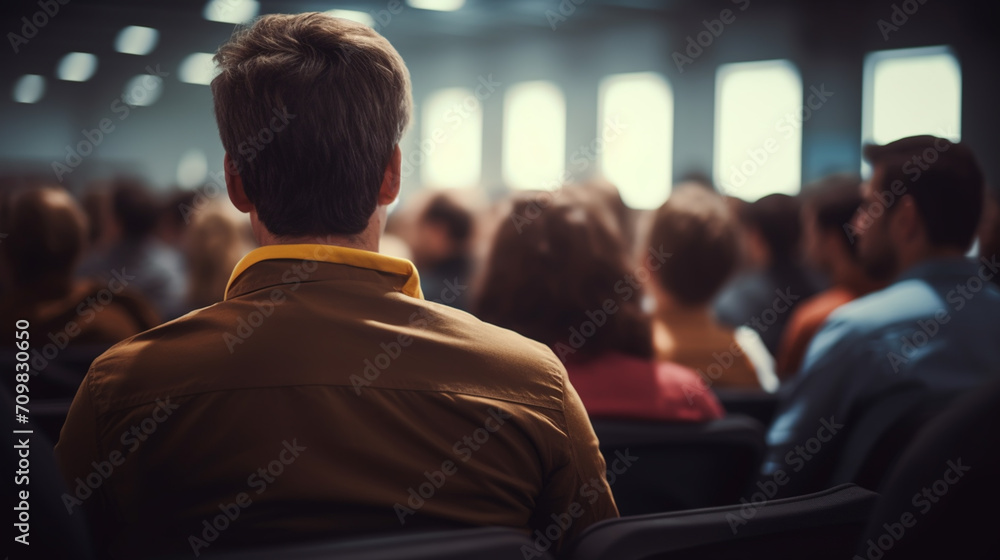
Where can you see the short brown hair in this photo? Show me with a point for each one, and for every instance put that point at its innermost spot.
(347, 90)
(944, 179)
(697, 229)
(543, 278)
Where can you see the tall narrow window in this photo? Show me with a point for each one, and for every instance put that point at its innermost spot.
(534, 136)
(758, 128)
(912, 91)
(452, 139)
(635, 136)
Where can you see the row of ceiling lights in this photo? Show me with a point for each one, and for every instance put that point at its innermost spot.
(197, 68)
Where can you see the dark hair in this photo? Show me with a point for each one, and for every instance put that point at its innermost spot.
(834, 200)
(943, 178)
(604, 196)
(347, 90)
(177, 209)
(134, 207)
(542, 279)
(697, 229)
(47, 232)
(456, 220)
(776, 217)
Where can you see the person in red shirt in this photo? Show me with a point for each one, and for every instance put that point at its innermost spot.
(829, 246)
(558, 272)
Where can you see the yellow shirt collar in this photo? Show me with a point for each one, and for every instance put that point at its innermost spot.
(332, 254)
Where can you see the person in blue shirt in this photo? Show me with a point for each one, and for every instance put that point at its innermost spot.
(935, 328)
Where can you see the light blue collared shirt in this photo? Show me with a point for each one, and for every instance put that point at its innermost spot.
(936, 328)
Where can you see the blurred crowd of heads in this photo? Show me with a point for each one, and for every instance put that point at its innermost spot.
(534, 260)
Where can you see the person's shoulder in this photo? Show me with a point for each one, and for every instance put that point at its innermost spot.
(497, 344)
(175, 341)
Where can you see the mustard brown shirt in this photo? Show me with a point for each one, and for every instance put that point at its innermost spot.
(325, 398)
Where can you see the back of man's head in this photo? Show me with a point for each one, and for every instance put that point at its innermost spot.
(445, 212)
(135, 208)
(696, 228)
(832, 202)
(943, 178)
(47, 233)
(310, 109)
(776, 218)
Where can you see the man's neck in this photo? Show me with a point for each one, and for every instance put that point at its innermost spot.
(350, 241)
(908, 261)
(367, 240)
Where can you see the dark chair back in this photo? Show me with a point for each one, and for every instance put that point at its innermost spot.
(488, 543)
(819, 526)
(941, 499)
(755, 403)
(658, 466)
(882, 432)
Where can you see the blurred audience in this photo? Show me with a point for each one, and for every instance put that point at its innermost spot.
(47, 234)
(774, 282)
(697, 238)
(442, 235)
(562, 278)
(176, 214)
(216, 240)
(827, 210)
(934, 329)
(989, 231)
(157, 269)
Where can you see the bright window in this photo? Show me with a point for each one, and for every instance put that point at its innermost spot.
(635, 129)
(452, 139)
(912, 91)
(758, 128)
(534, 136)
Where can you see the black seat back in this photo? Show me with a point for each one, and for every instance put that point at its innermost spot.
(755, 403)
(816, 526)
(882, 432)
(941, 499)
(489, 543)
(658, 466)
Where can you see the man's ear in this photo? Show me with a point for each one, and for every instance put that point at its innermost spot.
(908, 221)
(389, 190)
(234, 185)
